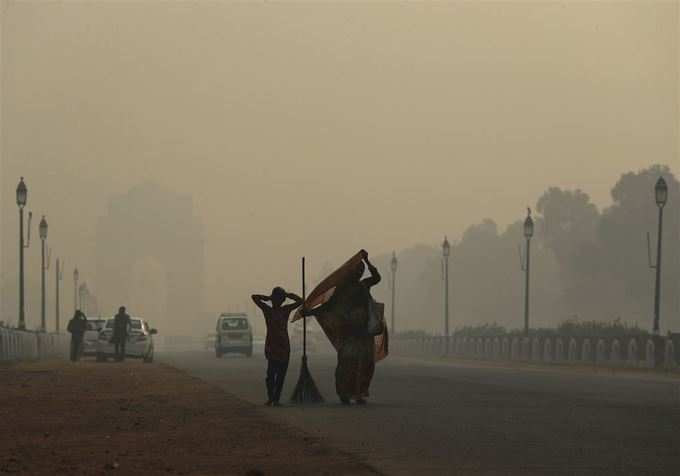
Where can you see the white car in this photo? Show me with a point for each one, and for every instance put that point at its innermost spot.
(234, 334)
(139, 344)
(91, 336)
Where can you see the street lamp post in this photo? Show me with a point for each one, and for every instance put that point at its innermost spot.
(393, 267)
(528, 233)
(661, 197)
(43, 311)
(59, 276)
(22, 196)
(84, 298)
(446, 252)
(76, 275)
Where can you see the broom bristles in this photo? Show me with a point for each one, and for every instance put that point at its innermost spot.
(305, 389)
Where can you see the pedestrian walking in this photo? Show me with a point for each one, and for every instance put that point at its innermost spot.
(346, 319)
(121, 331)
(77, 326)
(277, 343)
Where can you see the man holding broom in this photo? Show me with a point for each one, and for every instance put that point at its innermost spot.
(277, 343)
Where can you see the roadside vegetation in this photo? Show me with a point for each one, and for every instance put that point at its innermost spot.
(569, 327)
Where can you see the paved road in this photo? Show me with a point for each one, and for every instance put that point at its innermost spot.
(443, 418)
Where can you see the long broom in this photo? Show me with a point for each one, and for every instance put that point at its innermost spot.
(305, 389)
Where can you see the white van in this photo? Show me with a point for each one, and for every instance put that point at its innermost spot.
(234, 334)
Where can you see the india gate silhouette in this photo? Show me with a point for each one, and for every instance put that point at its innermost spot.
(150, 222)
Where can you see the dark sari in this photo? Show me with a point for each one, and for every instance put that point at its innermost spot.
(356, 350)
(340, 305)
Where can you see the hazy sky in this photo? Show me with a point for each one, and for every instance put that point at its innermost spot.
(319, 129)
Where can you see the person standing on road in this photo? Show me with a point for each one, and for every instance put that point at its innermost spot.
(356, 347)
(77, 326)
(121, 331)
(277, 343)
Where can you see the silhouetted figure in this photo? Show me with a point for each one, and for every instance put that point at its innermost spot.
(277, 343)
(77, 326)
(356, 347)
(121, 331)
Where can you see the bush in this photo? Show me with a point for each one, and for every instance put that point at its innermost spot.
(573, 327)
(570, 327)
(483, 330)
(412, 334)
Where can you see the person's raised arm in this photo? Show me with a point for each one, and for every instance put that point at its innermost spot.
(297, 301)
(374, 278)
(259, 300)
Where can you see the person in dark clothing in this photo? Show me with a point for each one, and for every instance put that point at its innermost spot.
(277, 343)
(77, 326)
(121, 331)
(356, 349)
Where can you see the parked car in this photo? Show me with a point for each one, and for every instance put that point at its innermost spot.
(234, 334)
(91, 337)
(139, 344)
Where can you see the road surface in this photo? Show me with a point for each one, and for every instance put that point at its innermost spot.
(471, 419)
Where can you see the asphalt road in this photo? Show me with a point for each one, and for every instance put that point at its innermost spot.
(468, 419)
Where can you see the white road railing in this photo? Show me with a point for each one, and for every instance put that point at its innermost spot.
(30, 345)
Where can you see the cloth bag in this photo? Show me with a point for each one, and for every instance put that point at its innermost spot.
(376, 317)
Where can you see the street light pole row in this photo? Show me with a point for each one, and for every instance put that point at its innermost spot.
(446, 252)
(45, 252)
(661, 198)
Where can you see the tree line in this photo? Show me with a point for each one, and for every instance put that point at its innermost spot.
(588, 264)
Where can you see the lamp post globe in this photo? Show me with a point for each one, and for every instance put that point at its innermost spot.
(661, 192)
(22, 193)
(43, 228)
(446, 248)
(528, 225)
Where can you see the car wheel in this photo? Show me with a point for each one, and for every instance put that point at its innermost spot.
(218, 354)
(100, 357)
(249, 353)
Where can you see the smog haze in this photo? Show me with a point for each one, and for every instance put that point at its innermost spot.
(319, 129)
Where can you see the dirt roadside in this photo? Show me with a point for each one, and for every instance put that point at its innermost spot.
(140, 419)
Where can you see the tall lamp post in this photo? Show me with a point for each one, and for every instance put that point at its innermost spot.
(22, 196)
(84, 298)
(446, 252)
(59, 276)
(393, 267)
(528, 233)
(43, 267)
(76, 275)
(661, 197)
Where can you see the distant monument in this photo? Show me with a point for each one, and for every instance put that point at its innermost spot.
(151, 222)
